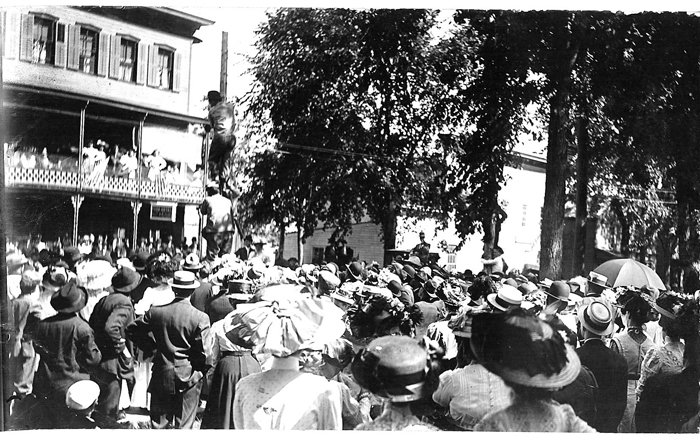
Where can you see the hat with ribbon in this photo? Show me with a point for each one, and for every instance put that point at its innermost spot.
(413, 261)
(559, 290)
(140, 260)
(184, 280)
(192, 263)
(507, 297)
(125, 280)
(69, 298)
(240, 290)
(596, 318)
(597, 279)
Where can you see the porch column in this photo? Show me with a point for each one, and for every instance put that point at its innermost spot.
(136, 208)
(77, 201)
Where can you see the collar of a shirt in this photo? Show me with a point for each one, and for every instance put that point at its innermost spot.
(285, 363)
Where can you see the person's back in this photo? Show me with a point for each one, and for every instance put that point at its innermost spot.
(610, 370)
(284, 398)
(222, 118)
(218, 211)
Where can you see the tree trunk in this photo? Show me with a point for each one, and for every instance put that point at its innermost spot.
(555, 186)
(581, 193)
(616, 207)
(389, 231)
(557, 165)
(280, 252)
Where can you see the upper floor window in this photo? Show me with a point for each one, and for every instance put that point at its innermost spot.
(44, 40)
(164, 69)
(89, 40)
(127, 60)
(164, 65)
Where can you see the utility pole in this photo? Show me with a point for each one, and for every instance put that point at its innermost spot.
(223, 81)
(5, 381)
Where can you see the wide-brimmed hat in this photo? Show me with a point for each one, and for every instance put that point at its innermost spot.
(546, 283)
(125, 280)
(524, 350)
(331, 266)
(596, 318)
(497, 276)
(184, 280)
(259, 241)
(327, 282)
(343, 295)
(82, 394)
(69, 298)
(597, 279)
(413, 261)
(559, 290)
(355, 271)
(410, 271)
(527, 288)
(192, 263)
(395, 288)
(395, 367)
(55, 277)
(507, 297)
(95, 274)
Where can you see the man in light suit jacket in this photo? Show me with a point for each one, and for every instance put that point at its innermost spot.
(180, 335)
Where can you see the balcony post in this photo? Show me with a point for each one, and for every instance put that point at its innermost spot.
(136, 208)
(77, 201)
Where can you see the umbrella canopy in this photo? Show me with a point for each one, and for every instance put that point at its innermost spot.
(628, 272)
(283, 320)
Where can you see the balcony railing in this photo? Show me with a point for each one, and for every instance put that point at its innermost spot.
(67, 178)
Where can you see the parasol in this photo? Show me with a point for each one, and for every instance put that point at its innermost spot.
(279, 320)
(629, 272)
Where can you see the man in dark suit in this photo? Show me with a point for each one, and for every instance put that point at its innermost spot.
(243, 252)
(109, 319)
(344, 254)
(609, 368)
(180, 335)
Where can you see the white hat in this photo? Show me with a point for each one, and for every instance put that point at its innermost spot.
(82, 394)
(599, 279)
(506, 298)
(184, 280)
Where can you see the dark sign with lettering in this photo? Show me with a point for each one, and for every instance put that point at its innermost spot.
(163, 212)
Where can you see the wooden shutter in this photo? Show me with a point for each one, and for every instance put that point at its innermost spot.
(153, 66)
(142, 64)
(12, 34)
(60, 56)
(103, 54)
(177, 67)
(26, 38)
(73, 47)
(115, 57)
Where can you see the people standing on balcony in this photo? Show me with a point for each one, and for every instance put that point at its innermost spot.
(156, 164)
(222, 119)
(218, 231)
(128, 163)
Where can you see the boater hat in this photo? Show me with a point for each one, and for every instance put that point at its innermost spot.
(192, 263)
(599, 279)
(507, 297)
(596, 318)
(184, 280)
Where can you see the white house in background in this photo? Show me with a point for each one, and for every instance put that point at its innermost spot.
(522, 198)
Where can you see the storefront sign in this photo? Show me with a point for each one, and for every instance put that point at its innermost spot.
(163, 211)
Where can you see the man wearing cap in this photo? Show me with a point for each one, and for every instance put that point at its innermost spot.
(218, 231)
(179, 334)
(222, 119)
(15, 265)
(608, 367)
(109, 319)
(66, 345)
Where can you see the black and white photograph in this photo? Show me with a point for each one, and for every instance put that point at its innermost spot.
(350, 216)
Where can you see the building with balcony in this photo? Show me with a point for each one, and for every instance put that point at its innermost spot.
(100, 124)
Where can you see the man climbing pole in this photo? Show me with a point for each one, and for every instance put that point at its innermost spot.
(222, 120)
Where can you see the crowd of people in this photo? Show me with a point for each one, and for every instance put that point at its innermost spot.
(248, 342)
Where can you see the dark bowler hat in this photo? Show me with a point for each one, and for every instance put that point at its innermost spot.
(72, 255)
(214, 95)
(140, 260)
(69, 298)
(559, 290)
(125, 280)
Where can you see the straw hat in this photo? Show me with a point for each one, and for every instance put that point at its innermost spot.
(184, 280)
(507, 297)
(596, 318)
